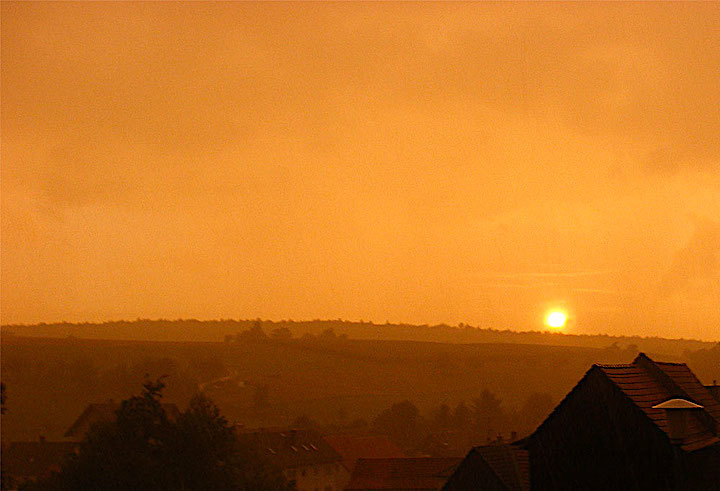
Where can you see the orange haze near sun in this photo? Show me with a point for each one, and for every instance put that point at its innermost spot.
(419, 162)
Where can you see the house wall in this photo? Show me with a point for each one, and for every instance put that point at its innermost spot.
(701, 469)
(598, 439)
(323, 477)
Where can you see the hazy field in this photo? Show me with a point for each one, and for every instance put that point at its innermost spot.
(272, 382)
(216, 330)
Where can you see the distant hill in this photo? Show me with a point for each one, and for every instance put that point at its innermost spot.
(217, 330)
(271, 381)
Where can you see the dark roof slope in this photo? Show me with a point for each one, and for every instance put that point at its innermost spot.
(686, 380)
(105, 413)
(714, 391)
(354, 447)
(417, 473)
(493, 467)
(27, 460)
(289, 449)
(511, 464)
(648, 383)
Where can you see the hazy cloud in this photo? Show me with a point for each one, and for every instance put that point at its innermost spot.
(358, 160)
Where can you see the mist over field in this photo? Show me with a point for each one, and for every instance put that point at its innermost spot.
(265, 374)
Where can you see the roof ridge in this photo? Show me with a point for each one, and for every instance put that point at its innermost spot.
(416, 457)
(674, 363)
(614, 365)
(675, 389)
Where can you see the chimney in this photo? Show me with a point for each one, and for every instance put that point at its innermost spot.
(678, 412)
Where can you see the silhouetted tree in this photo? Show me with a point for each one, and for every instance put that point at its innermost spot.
(210, 457)
(261, 397)
(462, 417)
(207, 368)
(327, 336)
(462, 423)
(402, 423)
(143, 450)
(307, 338)
(487, 415)
(5, 481)
(441, 418)
(254, 334)
(281, 334)
(534, 410)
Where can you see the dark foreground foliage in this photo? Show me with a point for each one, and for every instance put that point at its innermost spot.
(144, 450)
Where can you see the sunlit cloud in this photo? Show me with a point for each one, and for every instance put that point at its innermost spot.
(411, 162)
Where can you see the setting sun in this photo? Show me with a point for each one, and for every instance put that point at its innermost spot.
(556, 319)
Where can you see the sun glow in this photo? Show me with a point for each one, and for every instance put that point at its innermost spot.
(556, 319)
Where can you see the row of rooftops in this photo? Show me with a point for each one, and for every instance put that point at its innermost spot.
(290, 448)
(661, 390)
(669, 395)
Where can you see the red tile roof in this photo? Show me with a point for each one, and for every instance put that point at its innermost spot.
(648, 383)
(417, 473)
(353, 447)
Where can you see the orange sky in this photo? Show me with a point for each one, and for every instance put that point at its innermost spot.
(425, 163)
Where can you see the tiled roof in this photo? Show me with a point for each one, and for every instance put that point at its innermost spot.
(352, 448)
(290, 449)
(493, 467)
(34, 459)
(648, 383)
(417, 473)
(511, 464)
(690, 385)
(105, 413)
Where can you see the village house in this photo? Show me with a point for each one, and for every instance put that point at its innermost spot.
(30, 461)
(408, 473)
(354, 447)
(304, 456)
(642, 425)
(105, 413)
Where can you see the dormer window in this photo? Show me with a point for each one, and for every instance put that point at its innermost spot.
(678, 413)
